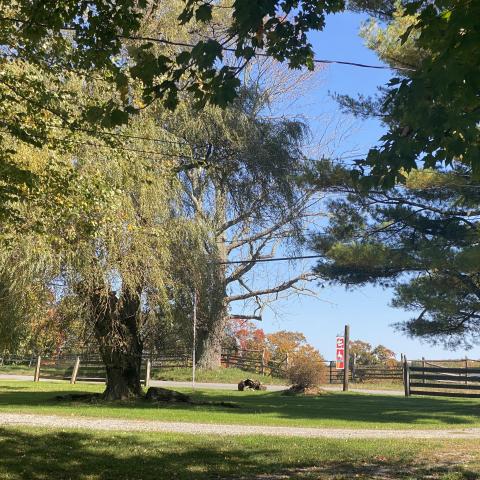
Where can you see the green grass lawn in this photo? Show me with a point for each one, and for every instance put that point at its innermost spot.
(336, 410)
(222, 375)
(31, 454)
(17, 370)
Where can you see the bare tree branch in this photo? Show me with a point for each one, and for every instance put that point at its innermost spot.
(268, 291)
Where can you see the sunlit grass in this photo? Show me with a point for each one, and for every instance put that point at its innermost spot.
(336, 410)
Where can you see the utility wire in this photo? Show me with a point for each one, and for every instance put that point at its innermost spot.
(226, 49)
(263, 260)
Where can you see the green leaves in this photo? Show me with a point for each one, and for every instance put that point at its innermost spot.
(434, 113)
(204, 13)
(420, 238)
(108, 37)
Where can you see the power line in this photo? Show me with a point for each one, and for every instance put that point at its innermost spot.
(226, 49)
(263, 260)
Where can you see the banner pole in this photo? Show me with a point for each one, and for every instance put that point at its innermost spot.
(346, 359)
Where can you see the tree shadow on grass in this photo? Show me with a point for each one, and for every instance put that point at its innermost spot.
(335, 409)
(76, 455)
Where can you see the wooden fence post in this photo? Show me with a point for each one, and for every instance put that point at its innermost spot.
(263, 362)
(406, 376)
(331, 367)
(466, 370)
(147, 374)
(36, 376)
(73, 378)
(346, 358)
(354, 366)
(423, 371)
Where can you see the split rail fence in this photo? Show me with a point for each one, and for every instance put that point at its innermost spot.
(89, 366)
(446, 378)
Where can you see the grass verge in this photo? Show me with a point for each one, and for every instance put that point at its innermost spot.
(222, 375)
(333, 410)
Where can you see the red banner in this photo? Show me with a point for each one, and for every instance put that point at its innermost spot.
(340, 355)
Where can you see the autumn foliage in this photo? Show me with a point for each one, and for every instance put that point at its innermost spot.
(302, 362)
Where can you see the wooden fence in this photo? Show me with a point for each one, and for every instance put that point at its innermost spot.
(365, 373)
(91, 368)
(448, 378)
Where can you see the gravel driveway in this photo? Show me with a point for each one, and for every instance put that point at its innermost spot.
(58, 422)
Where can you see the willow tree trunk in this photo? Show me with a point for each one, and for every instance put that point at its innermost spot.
(212, 333)
(211, 340)
(117, 331)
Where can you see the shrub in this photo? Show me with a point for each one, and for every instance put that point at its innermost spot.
(307, 368)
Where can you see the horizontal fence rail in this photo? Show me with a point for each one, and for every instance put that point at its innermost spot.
(91, 367)
(365, 373)
(442, 378)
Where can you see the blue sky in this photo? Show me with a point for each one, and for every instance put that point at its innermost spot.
(366, 310)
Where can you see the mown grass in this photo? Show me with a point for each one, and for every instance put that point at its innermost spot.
(222, 375)
(32, 454)
(17, 370)
(335, 410)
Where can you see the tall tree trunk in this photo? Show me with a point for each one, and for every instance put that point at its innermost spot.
(211, 340)
(212, 332)
(117, 322)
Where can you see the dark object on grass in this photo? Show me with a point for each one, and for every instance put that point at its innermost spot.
(249, 384)
(302, 390)
(154, 394)
(158, 394)
(294, 390)
(79, 397)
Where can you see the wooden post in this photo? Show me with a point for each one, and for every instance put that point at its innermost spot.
(346, 359)
(147, 374)
(263, 362)
(36, 376)
(331, 367)
(423, 371)
(354, 365)
(73, 378)
(466, 371)
(406, 376)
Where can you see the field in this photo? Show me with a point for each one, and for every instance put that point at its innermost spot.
(330, 409)
(76, 454)
(79, 455)
(223, 375)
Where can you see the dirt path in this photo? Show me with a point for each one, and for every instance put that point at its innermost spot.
(58, 422)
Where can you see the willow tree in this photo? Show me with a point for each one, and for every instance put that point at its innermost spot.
(241, 186)
(114, 244)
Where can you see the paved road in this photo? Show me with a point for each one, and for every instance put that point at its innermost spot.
(219, 386)
(113, 424)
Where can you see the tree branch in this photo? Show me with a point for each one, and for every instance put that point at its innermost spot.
(268, 291)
